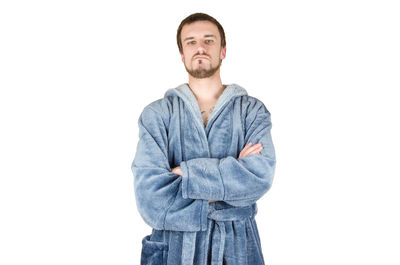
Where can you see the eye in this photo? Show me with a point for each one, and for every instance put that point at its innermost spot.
(209, 41)
(191, 42)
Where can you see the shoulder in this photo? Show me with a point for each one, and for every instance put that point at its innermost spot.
(157, 110)
(159, 105)
(251, 105)
(254, 114)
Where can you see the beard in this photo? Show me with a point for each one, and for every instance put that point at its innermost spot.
(201, 72)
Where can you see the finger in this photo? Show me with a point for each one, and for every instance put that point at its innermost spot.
(244, 150)
(257, 151)
(247, 146)
(252, 148)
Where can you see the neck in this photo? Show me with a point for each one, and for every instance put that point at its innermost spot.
(206, 89)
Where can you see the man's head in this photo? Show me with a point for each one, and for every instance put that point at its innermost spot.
(200, 35)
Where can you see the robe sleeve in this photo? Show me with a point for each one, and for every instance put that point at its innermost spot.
(237, 181)
(158, 191)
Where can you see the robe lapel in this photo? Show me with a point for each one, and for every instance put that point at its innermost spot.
(186, 94)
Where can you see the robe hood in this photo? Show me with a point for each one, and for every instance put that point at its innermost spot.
(186, 94)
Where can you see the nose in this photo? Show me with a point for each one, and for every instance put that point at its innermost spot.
(201, 49)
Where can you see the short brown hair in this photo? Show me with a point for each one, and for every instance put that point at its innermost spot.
(199, 17)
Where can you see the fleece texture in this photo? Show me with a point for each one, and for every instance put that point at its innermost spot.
(186, 228)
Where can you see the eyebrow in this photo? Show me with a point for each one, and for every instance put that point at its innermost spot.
(205, 36)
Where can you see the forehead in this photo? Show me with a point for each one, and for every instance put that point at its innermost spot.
(199, 29)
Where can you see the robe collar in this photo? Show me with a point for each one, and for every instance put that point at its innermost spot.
(186, 94)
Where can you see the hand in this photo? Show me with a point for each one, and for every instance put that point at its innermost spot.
(251, 150)
(177, 170)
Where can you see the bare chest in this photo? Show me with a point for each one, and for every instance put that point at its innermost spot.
(206, 108)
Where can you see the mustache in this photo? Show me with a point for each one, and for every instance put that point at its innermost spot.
(204, 55)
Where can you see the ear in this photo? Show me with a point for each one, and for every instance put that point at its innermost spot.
(223, 52)
(182, 57)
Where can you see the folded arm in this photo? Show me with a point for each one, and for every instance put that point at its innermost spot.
(237, 181)
(158, 191)
(249, 149)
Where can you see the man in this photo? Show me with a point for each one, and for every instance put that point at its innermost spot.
(198, 171)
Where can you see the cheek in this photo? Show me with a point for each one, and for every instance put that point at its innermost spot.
(187, 57)
(187, 60)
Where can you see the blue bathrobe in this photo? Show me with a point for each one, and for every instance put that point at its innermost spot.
(186, 228)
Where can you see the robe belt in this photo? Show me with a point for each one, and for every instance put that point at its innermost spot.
(233, 214)
(229, 214)
(219, 216)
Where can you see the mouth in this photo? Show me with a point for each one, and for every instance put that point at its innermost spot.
(200, 57)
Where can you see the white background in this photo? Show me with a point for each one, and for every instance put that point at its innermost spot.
(75, 75)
